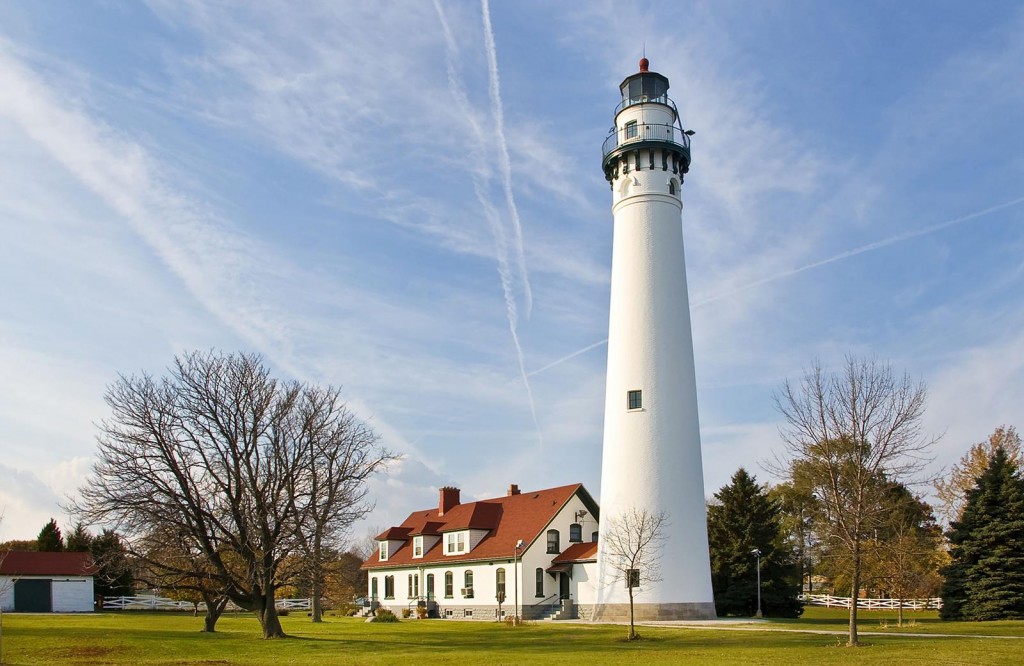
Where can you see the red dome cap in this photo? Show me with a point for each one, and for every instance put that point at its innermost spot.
(644, 63)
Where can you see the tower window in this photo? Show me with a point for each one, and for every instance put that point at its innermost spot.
(634, 400)
(631, 130)
(672, 186)
(632, 578)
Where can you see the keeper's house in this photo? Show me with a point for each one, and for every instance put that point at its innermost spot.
(474, 560)
(33, 582)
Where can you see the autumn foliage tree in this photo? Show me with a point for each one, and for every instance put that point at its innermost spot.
(951, 489)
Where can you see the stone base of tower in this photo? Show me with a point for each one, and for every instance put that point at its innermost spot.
(650, 612)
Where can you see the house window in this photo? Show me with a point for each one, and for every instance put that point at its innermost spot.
(631, 129)
(417, 546)
(383, 551)
(430, 587)
(499, 584)
(575, 533)
(540, 582)
(632, 578)
(455, 542)
(593, 537)
(553, 542)
(414, 586)
(467, 584)
(389, 587)
(373, 589)
(634, 400)
(467, 612)
(449, 584)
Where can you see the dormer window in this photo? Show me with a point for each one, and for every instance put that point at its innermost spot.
(383, 551)
(454, 543)
(417, 546)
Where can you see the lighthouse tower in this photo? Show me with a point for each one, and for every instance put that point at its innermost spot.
(651, 458)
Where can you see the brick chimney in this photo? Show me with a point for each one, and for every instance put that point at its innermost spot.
(449, 500)
(513, 489)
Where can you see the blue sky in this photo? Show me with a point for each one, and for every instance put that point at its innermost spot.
(406, 199)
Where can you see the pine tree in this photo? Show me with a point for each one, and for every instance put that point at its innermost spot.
(50, 539)
(985, 580)
(115, 577)
(79, 541)
(744, 519)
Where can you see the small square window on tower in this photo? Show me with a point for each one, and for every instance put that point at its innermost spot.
(632, 578)
(634, 400)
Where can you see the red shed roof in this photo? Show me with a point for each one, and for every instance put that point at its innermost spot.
(507, 519)
(31, 563)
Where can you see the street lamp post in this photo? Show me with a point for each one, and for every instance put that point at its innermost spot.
(757, 553)
(515, 574)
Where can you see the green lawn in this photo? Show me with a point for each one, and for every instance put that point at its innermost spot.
(166, 638)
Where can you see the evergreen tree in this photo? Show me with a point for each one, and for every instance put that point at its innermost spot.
(50, 539)
(745, 518)
(985, 580)
(115, 577)
(79, 541)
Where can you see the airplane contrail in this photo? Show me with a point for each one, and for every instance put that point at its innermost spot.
(504, 163)
(892, 240)
(478, 175)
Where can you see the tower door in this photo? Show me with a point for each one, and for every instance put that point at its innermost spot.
(563, 585)
(33, 595)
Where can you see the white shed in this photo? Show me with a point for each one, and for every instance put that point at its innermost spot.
(34, 582)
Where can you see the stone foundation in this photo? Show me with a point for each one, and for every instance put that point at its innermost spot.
(649, 612)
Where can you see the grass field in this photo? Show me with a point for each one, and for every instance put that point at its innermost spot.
(167, 638)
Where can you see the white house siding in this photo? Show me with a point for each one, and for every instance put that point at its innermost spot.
(483, 605)
(6, 594)
(72, 595)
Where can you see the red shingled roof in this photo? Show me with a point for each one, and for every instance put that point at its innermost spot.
(578, 552)
(31, 563)
(508, 519)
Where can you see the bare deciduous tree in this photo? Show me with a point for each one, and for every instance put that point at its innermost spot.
(332, 495)
(230, 459)
(632, 551)
(852, 431)
(952, 489)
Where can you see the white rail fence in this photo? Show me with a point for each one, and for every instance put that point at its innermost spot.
(153, 602)
(829, 601)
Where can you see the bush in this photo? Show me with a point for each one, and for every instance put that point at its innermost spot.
(406, 613)
(283, 612)
(384, 615)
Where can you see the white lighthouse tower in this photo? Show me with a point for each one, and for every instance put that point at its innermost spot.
(651, 459)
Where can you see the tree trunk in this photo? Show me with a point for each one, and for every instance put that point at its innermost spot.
(214, 608)
(266, 611)
(632, 627)
(316, 603)
(854, 595)
(899, 622)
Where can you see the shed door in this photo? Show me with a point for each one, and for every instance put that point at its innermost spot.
(33, 595)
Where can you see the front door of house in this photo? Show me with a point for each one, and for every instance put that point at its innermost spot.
(563, 585)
